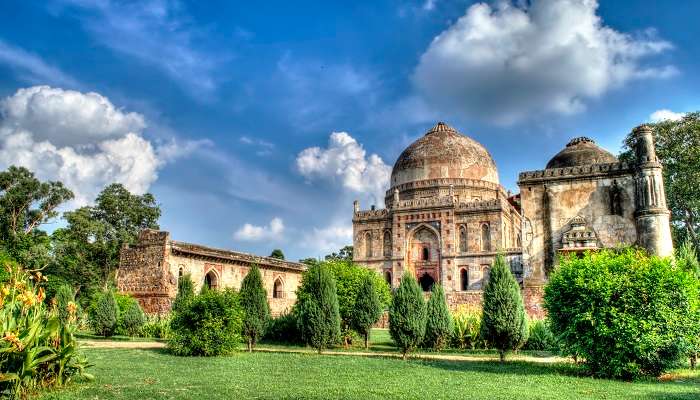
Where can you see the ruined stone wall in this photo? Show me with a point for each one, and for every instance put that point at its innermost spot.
(144, 272)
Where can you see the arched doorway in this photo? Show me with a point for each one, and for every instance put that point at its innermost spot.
(211, 281)
(278, 289)
(464, 279)
(426, 282)
(423, 255)
(387, 277)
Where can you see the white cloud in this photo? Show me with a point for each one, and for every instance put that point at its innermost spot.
(254, 233)
(155, 32)
(32, 68)
(345, 160)
(504, 63)
(328, 239)
(665, 115)
(429, 5)
(80, 139)
(264, 148)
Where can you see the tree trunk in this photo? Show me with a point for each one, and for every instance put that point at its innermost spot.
(502, 355)
(693, 360)
(250, 345)
(319, 349)
(345, 342)
(405, 354)
(366, 340)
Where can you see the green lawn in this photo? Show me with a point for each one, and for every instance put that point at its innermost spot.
(154, 374)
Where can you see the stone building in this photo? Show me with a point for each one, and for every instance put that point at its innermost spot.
(447, 216)
(149, 270)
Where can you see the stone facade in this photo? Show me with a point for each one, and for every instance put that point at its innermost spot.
(447, 216)
(149, 270)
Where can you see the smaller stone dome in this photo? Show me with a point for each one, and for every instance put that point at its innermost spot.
(581, 151)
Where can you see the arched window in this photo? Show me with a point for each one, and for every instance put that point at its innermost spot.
(464, 279)
(426, 282)
(485, 237)
(180, 272)
(387, 244)
(278, 289)
(211, 280)
(426, 254)
(368, 245)
(518, 241)
(387, 277)
(462, 239)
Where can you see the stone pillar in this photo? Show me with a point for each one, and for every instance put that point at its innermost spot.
(356, 206)
(651, 214)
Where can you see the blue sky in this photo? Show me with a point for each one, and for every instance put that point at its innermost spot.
(226, 111)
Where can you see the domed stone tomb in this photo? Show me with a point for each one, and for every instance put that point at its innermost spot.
(581, 151)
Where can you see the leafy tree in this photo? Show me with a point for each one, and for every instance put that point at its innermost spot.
(627, 314)
(277, 253)
(317, 308)
(344, 254)
(25, 204)
(678, 149)
(64, 296)
(438, 326)
(504, 322)
(256, 311)
(104, 314)
(89, 246)
(309, 261)
(687, 259)
(185, 292)
(368, 308)
(407, 315)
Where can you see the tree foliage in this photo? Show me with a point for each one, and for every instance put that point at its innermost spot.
(277, 253)
(407, 315)
(687, 260)
(368, 308)
(504, 322)
(438, 326)
(317, 312)
(344, 254)
(104, 314)
(678, 149)
(625, 313)
(185, 292)
(256, 311)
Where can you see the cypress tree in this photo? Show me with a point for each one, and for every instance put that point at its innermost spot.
(64, 295)
(407, 315)
(504, 323)
(105, 314)
(256, 311)
(319, 318)
(368, 308)
(438, 326)
(185, 292)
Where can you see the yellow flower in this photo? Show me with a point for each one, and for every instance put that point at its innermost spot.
(14, 340)
(41, 295)
(5, 291)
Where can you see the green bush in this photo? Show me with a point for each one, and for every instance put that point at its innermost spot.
(64, 296)
(540, 337)
(438, 326)
(283, 329)
(687, 259)
(317, 308)
(625, 313)
(131, 320)
(467, 326)
(156, 326)
(207, 325)
(504, 322)
(368, 308)
(185, 292)
(407, 315)
(104, 314)
(256, 311)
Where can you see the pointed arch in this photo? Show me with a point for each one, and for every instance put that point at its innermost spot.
(386, 244)
(387, 277)
(278, 288)
(211, 279)
(464, 279)
(463, 239)
(485, 237)
(368, 244)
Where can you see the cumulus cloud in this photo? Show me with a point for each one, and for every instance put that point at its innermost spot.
(345, 160)
(254, 233)
(665, 115)
(328, 239)
(506, 62)
(80, 139)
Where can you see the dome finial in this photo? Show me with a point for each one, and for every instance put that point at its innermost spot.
(441, 127)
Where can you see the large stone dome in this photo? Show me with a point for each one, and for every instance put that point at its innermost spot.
(444, 153)
(580, 151)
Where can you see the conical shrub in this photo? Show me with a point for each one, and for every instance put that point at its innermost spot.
(256, 311)
(407, 315)
(438, 326)
(368, 308)
(317, 309)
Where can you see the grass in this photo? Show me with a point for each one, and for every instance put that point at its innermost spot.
(154, 374)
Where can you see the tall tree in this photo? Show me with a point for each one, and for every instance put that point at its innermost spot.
(185, 292)
(277, 253)
(317, 308)
(344, 254)
(504, 322)
(256, 311)
(25, 204)
(368, 308)
(95, 234)
(407, 315)
(438, 326)
(678, 149)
